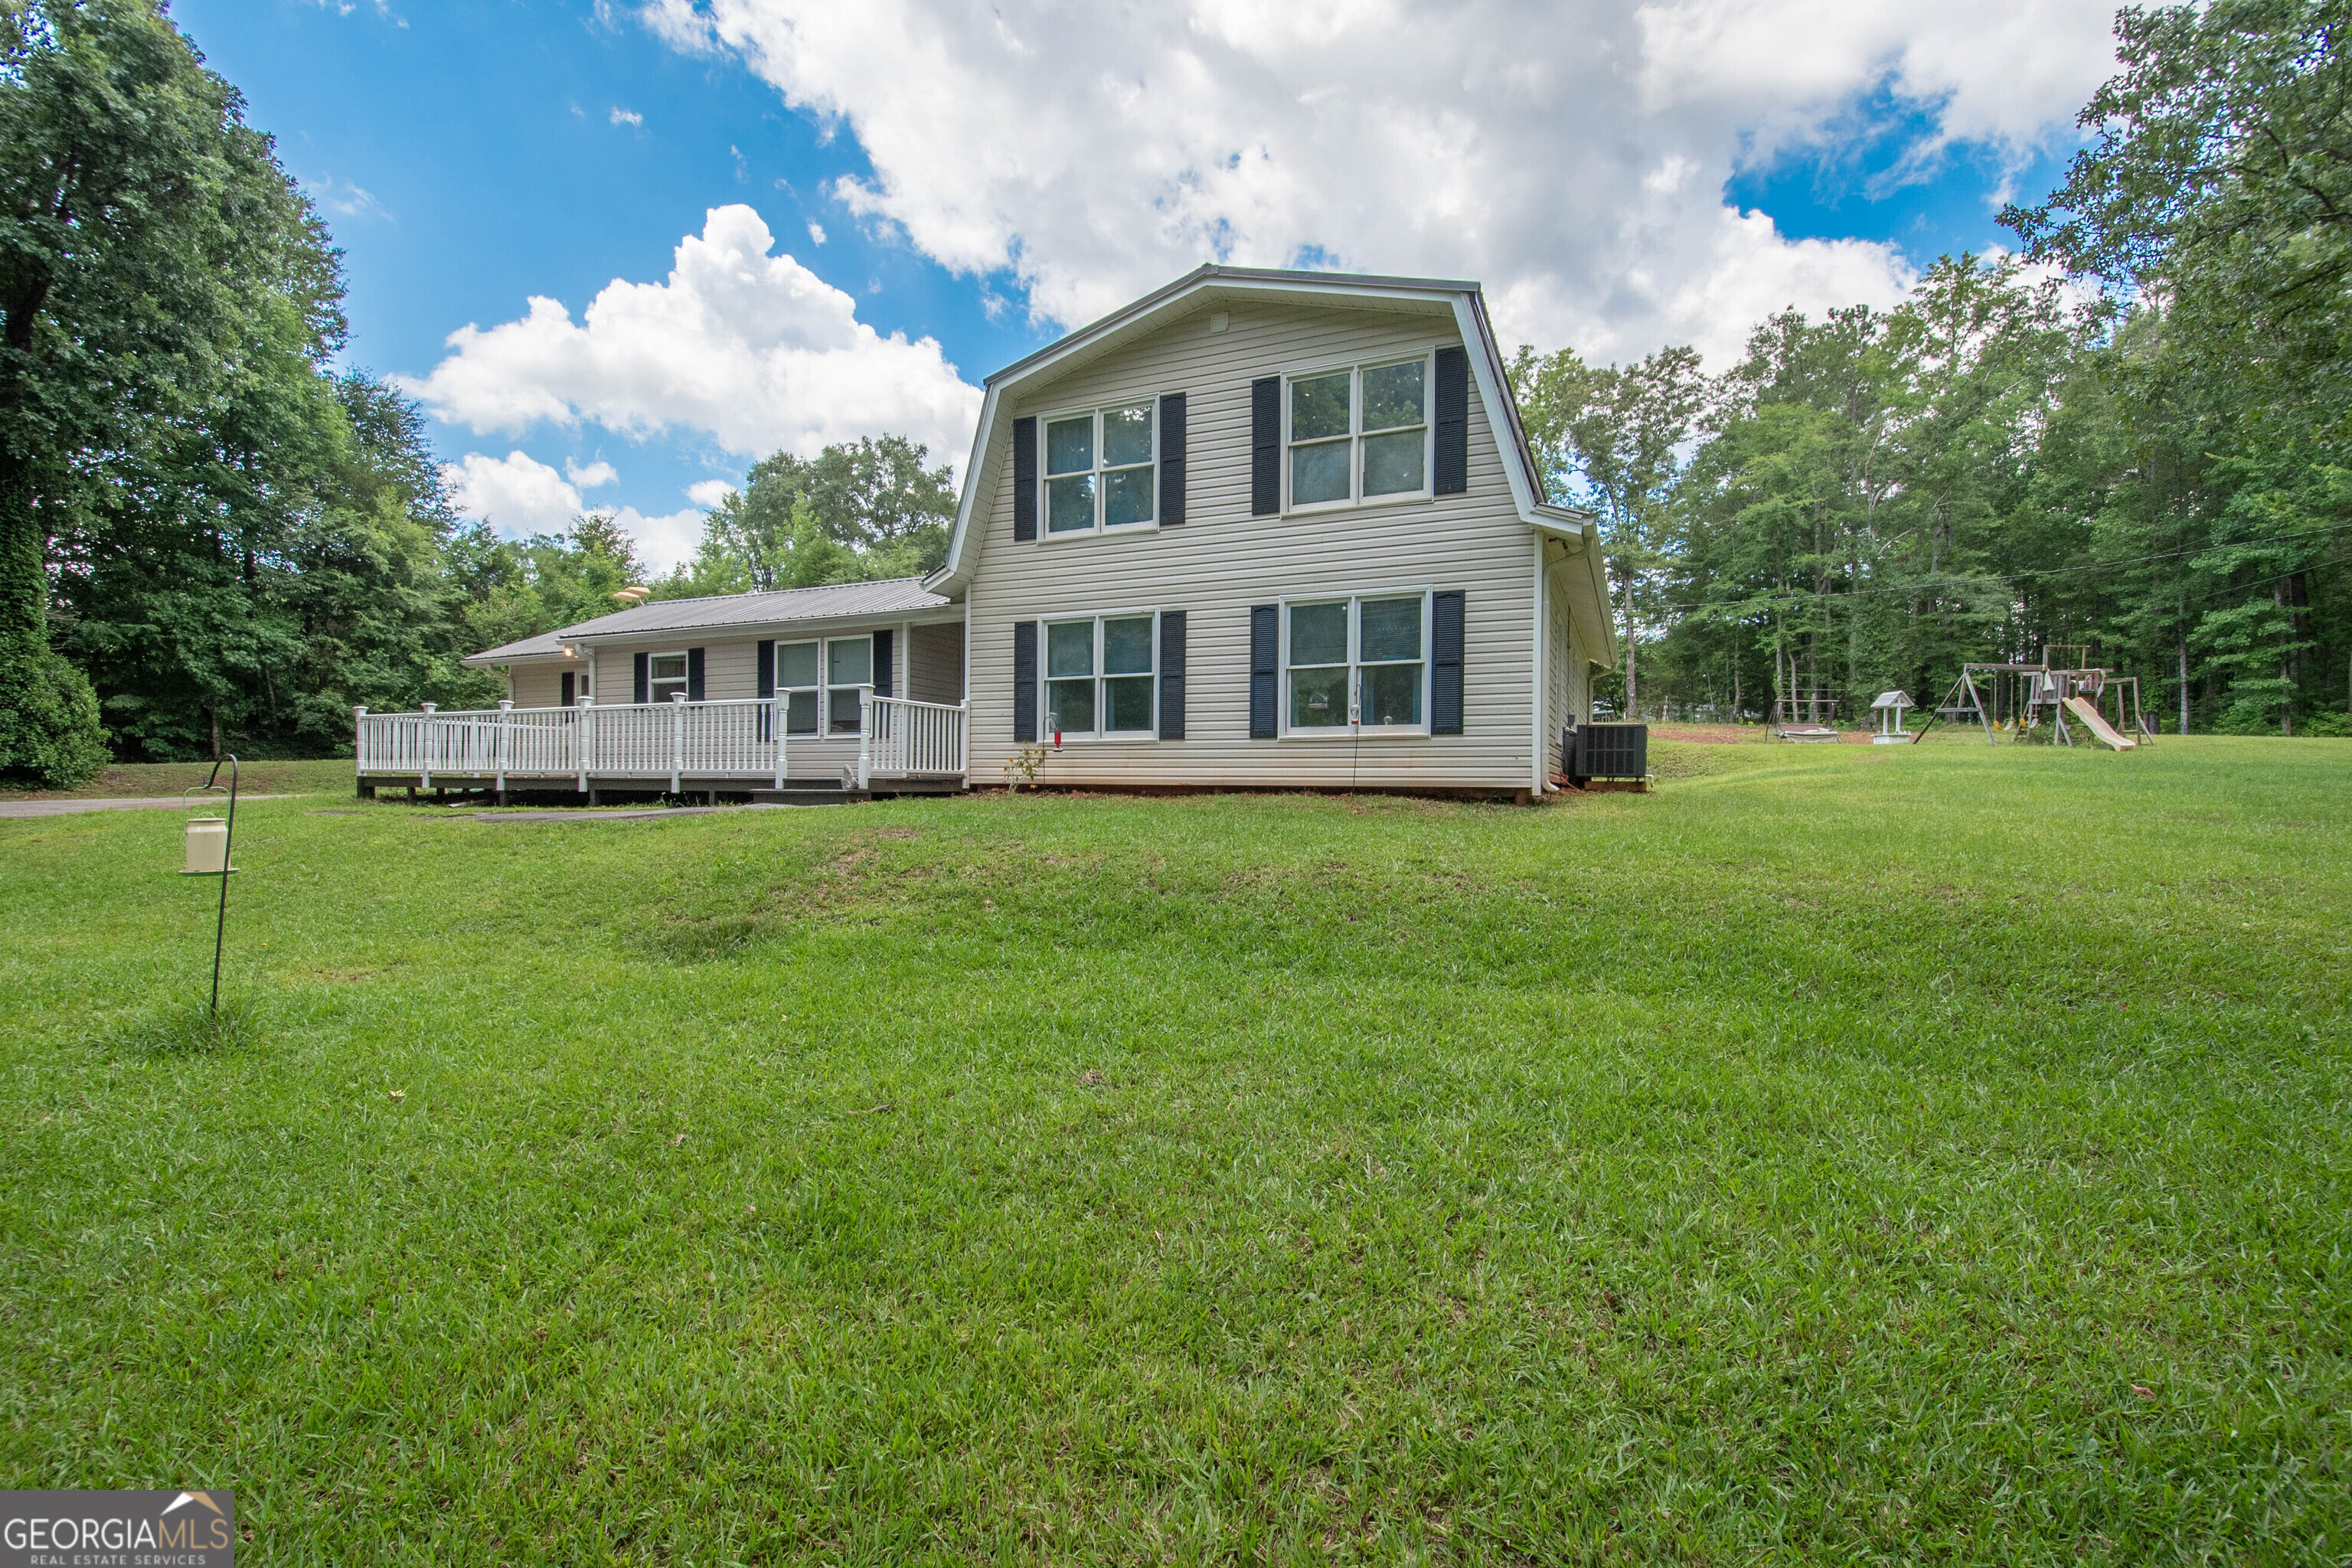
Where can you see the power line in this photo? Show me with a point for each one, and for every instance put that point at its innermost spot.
(1797, 599)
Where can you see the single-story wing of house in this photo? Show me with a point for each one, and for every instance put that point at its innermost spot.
(1259, 528)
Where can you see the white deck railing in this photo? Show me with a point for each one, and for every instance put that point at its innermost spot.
(679, 741)
(904, 738)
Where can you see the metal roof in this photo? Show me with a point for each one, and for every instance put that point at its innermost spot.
(891, 596)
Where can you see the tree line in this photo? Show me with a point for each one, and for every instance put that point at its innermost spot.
(213, 539)
(2130, 432)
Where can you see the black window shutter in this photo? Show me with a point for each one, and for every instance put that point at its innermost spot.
(1024, 682)
(1172, 462)
(694, 674)
(1451, 467)
(764, 671)
(644, 677)
(1263, 647)
(1445, 672)
(1024, 479)
(1172, 675)
(570, 686)
(882, 664)
(1265, 447)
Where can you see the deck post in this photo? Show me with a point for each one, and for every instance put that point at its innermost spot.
(586, 737)
(359, 741)
(865, 735)
(425, 749)
(777, 708)
(499, 740)
(677, 740)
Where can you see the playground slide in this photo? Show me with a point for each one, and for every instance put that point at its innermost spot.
(2081, 709)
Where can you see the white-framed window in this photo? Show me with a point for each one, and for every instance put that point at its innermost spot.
(848, 664)
(1101, 468)
(1101, 676)
(1356, 664)
(665, 677)
(800, 676)
(1357, 433)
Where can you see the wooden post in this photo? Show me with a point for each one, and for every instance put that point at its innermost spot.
(677, 739)
(498, 741)
(777, 708)
(359, 748)
(425, 748)
(865, 735)
(587, 728)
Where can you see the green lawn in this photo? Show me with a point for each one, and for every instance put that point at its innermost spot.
(1921, 1153)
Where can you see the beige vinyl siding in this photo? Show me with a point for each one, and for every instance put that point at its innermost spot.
(1224, 561)
(538, 685)
(934, 660)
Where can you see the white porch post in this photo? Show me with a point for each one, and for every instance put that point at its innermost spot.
(359, 741)
(677, 739)
(425, 752)
(865, 735)
(499, 738)
(587, 729)
(777, 708)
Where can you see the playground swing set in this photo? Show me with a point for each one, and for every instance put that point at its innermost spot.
(2016, 699)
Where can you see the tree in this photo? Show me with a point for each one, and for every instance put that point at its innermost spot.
(1617, 435)
(2216, 198)
(865, 508)
(137, 216)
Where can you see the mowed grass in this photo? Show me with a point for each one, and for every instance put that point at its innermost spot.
(1931, 1153)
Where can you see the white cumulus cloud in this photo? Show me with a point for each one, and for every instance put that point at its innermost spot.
(1569, 153)
(628, 117)
(751, 349)
(518, 495)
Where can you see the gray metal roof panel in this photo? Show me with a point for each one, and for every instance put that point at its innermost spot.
(546, 645)
(893, 595)
(890, 596)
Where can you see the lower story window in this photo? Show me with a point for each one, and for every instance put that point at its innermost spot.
(666, 677)
(1100, 676)
(1359, 662)
(799, 678)
(848, 664)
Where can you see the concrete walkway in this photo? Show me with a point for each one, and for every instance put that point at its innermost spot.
(129, 803)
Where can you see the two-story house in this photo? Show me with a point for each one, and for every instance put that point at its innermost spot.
(1258, 529)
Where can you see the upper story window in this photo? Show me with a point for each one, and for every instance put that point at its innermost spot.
(665, 677)
(1357, 665)
(1100, 469)
(1099, 676)
(1359, 434)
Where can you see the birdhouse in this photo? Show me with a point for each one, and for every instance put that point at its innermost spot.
(207, 844)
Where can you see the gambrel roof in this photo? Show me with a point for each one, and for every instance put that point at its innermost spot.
(1466, 302)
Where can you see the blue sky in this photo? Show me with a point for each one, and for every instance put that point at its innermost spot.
(470, 156)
